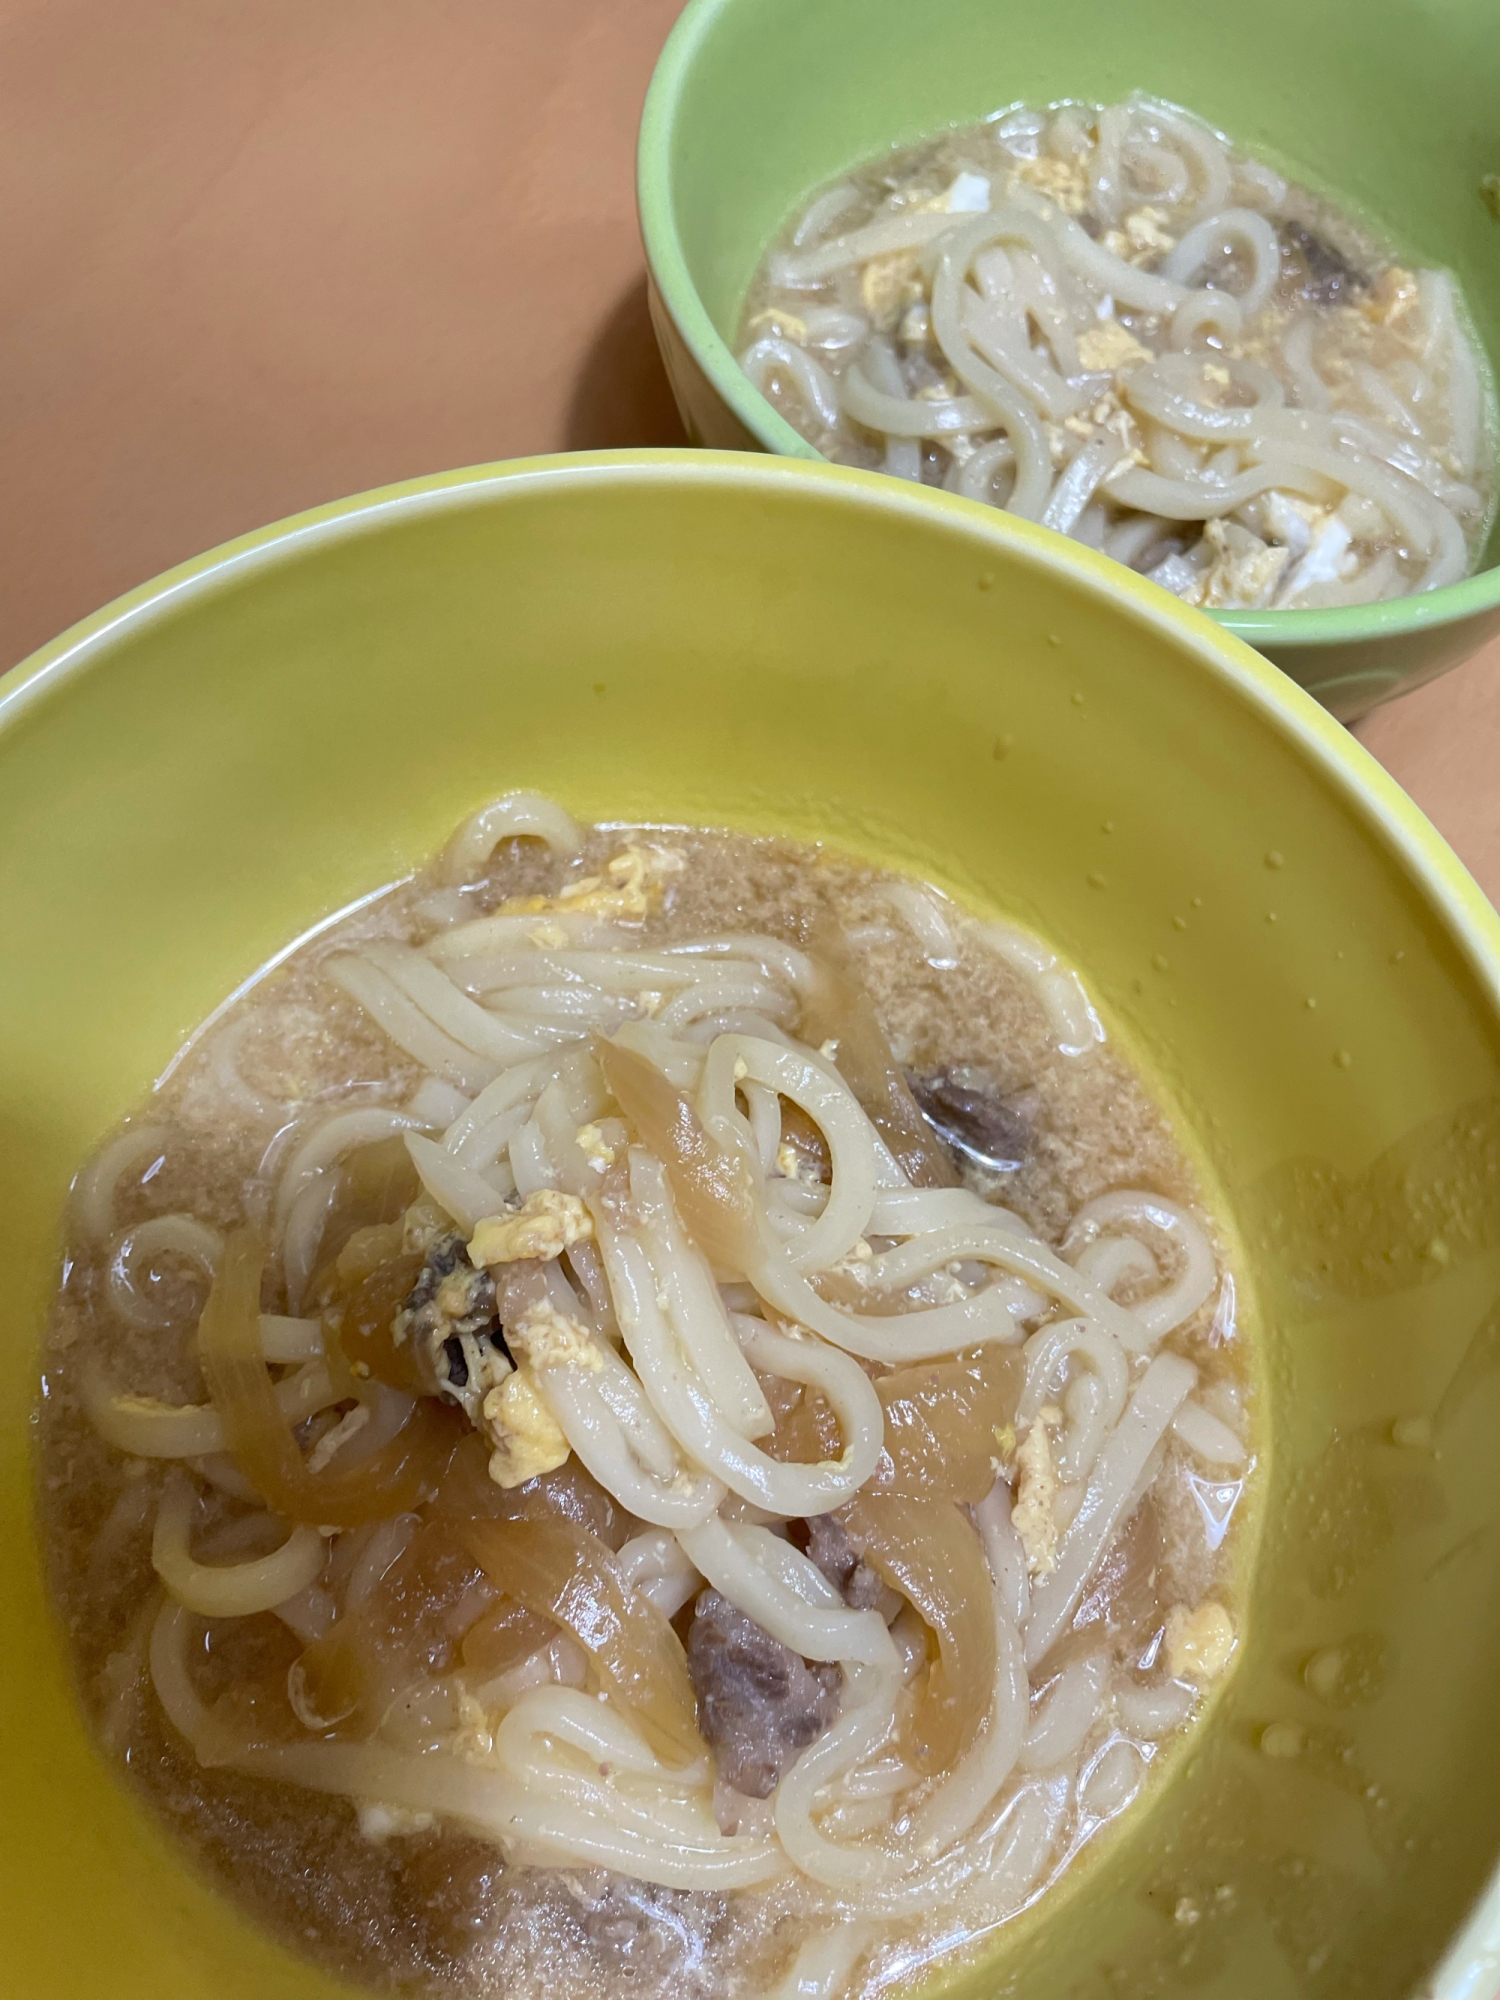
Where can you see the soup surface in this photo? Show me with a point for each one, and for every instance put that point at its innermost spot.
(1109, 320)
(650, 1410)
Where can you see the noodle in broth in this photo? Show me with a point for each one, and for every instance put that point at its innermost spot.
(649, 1407)
(1108, 320)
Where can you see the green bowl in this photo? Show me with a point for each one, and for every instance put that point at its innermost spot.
(1389, 105)
(214, 764)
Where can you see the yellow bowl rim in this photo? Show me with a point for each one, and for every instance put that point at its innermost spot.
(1336, 757)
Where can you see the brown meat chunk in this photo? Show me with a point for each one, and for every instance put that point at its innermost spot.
(1322, 276)
(759, 1703)
(831, 1548)
(974, 1119)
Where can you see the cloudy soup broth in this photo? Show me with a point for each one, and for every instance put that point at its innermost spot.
(650, 1411)
(1109, 319)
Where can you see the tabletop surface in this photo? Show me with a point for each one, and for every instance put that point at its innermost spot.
(262, 255)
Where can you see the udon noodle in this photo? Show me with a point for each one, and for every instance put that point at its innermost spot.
(649, 1404)
(1108, 320)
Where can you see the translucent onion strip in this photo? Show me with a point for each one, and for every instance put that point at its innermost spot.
(256, 1432)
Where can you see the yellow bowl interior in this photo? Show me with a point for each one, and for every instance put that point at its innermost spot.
(204, 771)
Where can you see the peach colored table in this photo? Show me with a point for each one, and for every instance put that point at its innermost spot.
(264, 254)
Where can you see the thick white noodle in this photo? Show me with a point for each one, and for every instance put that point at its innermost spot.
(1208, 1437)
(93, 1198)
(405, 1023)
(1057, 986)
(1232, 226)
(689, 1305)
(604, 1414)
(1152, 1319)
(149, 1429)
(343, 1133)
(1112, 1484)
(1014, 287)
(1004, 1552)
(656, 1564)
(522, 815)
(466, 1195)
(824, 1964)
(1066, 1713)
(822, 1094)
(770, 356)
(227, 1590)
(135, 1251)
(670, 1373)
(881, 402)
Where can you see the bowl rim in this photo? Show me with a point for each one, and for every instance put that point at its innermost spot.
(666, 259)
(1336, 757)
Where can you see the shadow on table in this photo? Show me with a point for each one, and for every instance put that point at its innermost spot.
(622, 396)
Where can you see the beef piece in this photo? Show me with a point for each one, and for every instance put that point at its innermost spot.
(759, 1703)
(639, 1929)
(974, 1119)
(1326, 277)
(831, 1548)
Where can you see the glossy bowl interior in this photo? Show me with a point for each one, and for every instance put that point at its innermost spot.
(1388, 106)
(214, 764)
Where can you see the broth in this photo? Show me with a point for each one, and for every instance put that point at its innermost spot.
(1011, 1140)
(1109, 320)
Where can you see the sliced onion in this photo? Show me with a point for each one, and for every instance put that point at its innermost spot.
(563, 1571)
(389, 1481)
(929, 1552)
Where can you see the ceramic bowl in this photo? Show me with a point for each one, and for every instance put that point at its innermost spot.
(204, 770)
(1388, 106)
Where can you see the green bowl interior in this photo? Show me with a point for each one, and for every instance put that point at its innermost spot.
(1389, 107)
(204, 771)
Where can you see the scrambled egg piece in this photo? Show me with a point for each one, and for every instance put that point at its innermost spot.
(543, 1337)
(1110, 345)
(777, 320)
(1140, 238)
(1199, 1642)
(889, 284)
(1391, 297)
(630, 887)
(793, 1165)
(1036, 1489)
(1245, 570)
(851, 1265)
(594, 1147)
(1065, 182)
(377, 1821)
(527, 1438)
(547, 1223)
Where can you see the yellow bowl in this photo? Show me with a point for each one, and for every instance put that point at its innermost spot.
(221, 759)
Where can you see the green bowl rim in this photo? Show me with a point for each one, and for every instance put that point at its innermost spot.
(1350, 625)
(1336, 757)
